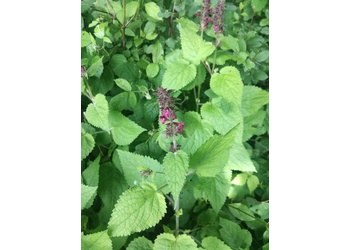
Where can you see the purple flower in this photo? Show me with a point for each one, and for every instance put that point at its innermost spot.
(82, 71)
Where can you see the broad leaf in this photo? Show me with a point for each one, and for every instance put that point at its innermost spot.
(258, 5)
(211, 243)
(216, 188)
(254, 125)
(262, 56)
(85, 39)
(152, 9)
(90, 174)
(124, 131)
(228, 84)
(123, 84)
(140, 243)
(196, 132)
(175, 167)
(88, 195)
(96, 241)
(253, 99)
(239, 159)
(97, 112)
(194, 48)
(96, 68)
(211, 157)
(252, 183)
(124, 100)
(178, 74)
(152, 70)
(87, 144)
(234, 236)
(169, 242)
(223, 115)
(138, 167)
(111, 185)
(138, 208)
(241, 212)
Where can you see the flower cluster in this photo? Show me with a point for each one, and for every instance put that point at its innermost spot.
(167, 117)
(82, 71)
(214, 15)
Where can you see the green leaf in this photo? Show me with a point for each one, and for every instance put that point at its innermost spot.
(229, 42)
(124, 131)
(239, 159)
(96, 68)
(169, 242)
(140, 243)
(87, 144)
(228, 84)
(216, 188)
(138, 208)
(124, 69)
(178, 74)
(194, 48)
(211, 243)
(199, 79)
(157, 52)
(241, 212)
(258, 5)
(175, 167)
(211, 157)
(234, 236)
(254, 125)
(88, 195)
(149, 28)
(111, 185)
(133, 166)
(222, 115)
(97, 112)
(124, 100)
(152, 9)
(240, 179)
(96, 241)
(90, 174)
(123, 84)
(262, 56)
(253, 99)
(196, 132)
(85, 39)
(252, 183)
(131, 8)
(152, 70)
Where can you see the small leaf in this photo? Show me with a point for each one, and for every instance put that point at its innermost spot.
(169, 242)
(152, 9)
(97, 112)
(123, 84)
(88, 195)
(258, 5)
(140, 243)
(241, 212)
(210, 243)
(90, 174)
(131, 8)
(85, 39)
(157, 52)
(124, 100)
(96, 68)
(96, 241)
(178, 74)
(240, 179)
(124, 131)
(262, 56)
(234, 236)
(175, 167)
(252, 183)
(87, 144)
(152, 70)
(137, 209)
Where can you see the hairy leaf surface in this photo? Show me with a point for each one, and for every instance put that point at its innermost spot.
(97, 112)
(169, 242)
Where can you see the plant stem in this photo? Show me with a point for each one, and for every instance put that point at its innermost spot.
(177, 217)
(216, 49)
(123, 27)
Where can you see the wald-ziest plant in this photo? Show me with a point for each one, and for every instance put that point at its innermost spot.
(174, 131)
